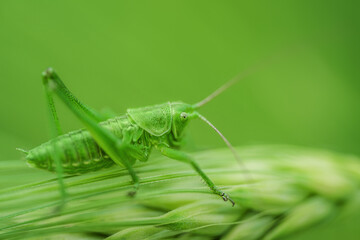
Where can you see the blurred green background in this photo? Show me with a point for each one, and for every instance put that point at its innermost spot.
(122, 54)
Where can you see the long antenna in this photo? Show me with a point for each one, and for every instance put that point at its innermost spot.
(236, 155)
(234, 80)
(217, 92)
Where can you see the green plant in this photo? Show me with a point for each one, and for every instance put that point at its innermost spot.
(285, 189)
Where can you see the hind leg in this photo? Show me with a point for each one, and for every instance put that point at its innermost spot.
(56, 128)
(117, 149)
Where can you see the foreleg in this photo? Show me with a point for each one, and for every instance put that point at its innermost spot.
(183, 157)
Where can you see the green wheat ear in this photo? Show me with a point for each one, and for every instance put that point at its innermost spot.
(290, 189)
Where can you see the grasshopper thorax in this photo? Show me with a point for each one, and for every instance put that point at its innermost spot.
(162, 119)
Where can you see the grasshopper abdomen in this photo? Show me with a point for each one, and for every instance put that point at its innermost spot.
(77, 151)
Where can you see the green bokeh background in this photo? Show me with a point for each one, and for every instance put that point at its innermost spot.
(121, 54)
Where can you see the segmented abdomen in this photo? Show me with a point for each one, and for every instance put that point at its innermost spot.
(77, 151)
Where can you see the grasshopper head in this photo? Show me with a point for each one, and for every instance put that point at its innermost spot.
(182, 113)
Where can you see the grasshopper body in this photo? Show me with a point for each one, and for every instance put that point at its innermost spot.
(79, 152)
(117, 140)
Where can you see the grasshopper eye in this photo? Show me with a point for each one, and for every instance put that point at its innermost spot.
(183, 116)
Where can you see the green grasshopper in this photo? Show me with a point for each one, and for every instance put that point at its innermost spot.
(116, 140)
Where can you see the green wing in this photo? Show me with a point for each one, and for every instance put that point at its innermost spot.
(156, 119)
